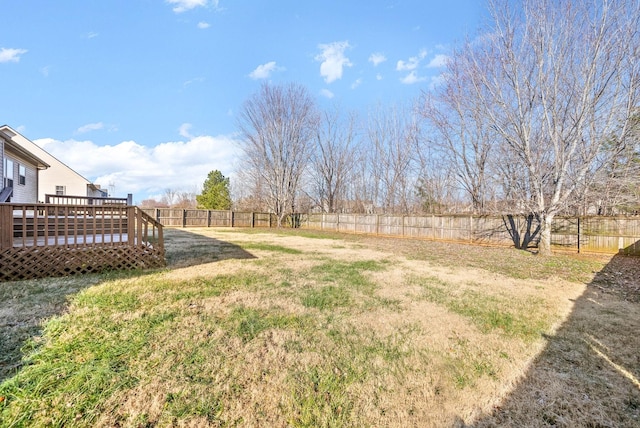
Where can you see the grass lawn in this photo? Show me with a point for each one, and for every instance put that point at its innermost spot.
(303, 328)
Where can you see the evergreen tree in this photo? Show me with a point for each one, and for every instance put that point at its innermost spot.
(215, 192)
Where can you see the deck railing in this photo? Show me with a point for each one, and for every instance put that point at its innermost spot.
(51, 240)
(87, 200)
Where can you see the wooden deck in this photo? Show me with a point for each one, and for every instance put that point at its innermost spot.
(38, 240)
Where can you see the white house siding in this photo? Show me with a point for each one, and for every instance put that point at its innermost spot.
(74, 184)
(58, 174)
(28, 192)
(1, 161)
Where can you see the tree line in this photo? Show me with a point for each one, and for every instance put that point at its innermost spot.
(537, 115)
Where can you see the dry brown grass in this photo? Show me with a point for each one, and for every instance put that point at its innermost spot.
(271, 328)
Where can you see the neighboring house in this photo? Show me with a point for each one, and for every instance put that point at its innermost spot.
(58, 179)
(19, 169)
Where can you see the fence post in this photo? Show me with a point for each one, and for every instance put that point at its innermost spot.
(471, 228)
(578, 234)
(433, 226)
(208, 218)
(253, 220)
(184, 218)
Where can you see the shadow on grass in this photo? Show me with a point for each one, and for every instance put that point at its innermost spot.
(25, 305)
(589, 372)
(185, 248)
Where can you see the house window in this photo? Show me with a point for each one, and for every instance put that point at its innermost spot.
(60, 190)
(8, 173)
(22, 174)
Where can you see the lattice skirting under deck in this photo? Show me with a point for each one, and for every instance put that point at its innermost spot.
(39, 262)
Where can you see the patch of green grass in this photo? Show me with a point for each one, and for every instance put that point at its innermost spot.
(487, 312)
(348, 274)
(466, 366)
(115, 301)
(204, 287)
(85, 358)
(189, 403)
(270, 247)
(328, 297)
(320, 397)
(321, 394)
(247, 323)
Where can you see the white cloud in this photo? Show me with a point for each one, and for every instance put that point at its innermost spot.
(438, 61)
(11, 55)
(185, 5)
(326, 93)
(264, 71)
(92, 35)
(378, 76)
(192, 81)
(144, 171)
(184, 130)
(377, 58)
(357, 83)
(203, 25)
(333, 60)
(45, 70)
(412, 63)
(412, 78)
(90, 127)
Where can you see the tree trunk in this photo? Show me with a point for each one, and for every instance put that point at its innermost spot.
(544, 246)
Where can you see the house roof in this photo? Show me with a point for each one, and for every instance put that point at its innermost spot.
(7, 135)
(54, 161)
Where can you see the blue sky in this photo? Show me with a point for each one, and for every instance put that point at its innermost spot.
(143, 95)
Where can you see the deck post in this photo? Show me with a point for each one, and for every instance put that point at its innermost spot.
(131, 225)
(6, 226)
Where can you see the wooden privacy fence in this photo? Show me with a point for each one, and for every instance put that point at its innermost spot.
(178, 217)
(580, 234)
(40, 240)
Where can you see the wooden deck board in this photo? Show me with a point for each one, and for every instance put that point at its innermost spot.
(70, 240)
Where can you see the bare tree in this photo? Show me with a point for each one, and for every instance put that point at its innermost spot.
(393, 136)
(558, 83)
(436, 186)
(333, 159)
(460, 132)
(278, 125)
(185, 199)
(169, 197)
